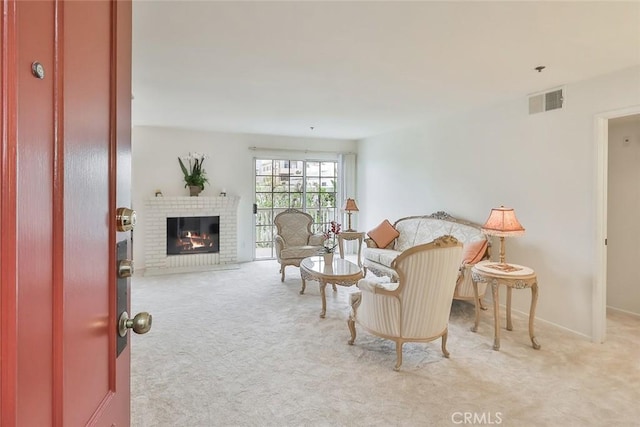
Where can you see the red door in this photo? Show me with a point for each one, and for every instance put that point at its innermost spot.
(65, 168)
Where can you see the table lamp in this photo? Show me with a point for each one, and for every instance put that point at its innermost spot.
(502, 222)
(350, 207)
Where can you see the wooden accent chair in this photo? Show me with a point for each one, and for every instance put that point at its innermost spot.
(294, 240)
(417, 307)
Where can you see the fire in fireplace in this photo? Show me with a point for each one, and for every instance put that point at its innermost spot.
(193, 235)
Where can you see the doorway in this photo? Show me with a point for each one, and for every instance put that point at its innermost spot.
(623, 205)
(599, 303)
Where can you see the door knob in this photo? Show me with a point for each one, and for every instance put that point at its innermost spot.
(141, 323)
(125, 219)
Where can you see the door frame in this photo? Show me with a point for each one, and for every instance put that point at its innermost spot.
(599, 288)
(305, 159)
(8, 269)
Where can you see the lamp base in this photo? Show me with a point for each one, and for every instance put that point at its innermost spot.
(349, 222)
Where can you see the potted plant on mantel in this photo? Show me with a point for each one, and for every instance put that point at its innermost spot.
(195, 176)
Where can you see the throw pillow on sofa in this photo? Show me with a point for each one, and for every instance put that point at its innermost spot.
(473, 252)
(383, 234)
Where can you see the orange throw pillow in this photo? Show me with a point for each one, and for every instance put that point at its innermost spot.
(383, 234)
(474, 251)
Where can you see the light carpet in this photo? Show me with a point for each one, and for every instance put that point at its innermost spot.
(241, 348)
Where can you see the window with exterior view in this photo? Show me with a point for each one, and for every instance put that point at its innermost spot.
(301, 184)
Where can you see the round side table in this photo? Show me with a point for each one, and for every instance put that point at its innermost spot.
(513, 276)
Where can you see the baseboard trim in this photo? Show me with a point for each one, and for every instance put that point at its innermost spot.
(194, 269)
(619, 310)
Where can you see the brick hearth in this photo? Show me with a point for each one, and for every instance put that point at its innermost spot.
(158, 209)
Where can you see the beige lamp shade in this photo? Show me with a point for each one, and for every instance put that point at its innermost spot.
(350, 206)
(502, 222)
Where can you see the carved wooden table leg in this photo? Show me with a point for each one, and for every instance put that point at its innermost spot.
(323, 285)
(340, 273)
(513, 276)
(532, 315)
(509, 324)
(474, 328)
(496, 315)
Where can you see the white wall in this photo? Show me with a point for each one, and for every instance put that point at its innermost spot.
(623, 214)
(230, 166)
(542, 165)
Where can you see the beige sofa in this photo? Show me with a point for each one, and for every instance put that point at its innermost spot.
(416, 230)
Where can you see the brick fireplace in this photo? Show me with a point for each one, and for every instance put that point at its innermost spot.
(158, 209)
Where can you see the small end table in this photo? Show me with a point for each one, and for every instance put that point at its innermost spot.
(351, 235)
(339, 272)
(513, 276)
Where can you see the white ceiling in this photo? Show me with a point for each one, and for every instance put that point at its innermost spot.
(357, 69)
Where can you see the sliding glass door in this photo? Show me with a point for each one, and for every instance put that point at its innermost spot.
(310, 186)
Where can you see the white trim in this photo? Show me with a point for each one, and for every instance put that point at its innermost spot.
(254, 201)
(625, 312)
(599, 294)
(599, 290)
(296, 150)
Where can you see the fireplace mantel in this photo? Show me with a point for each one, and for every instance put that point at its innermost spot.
(158, 209)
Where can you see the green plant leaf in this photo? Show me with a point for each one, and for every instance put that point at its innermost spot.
(184, 169)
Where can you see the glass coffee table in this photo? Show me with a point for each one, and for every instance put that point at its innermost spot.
(339, 272)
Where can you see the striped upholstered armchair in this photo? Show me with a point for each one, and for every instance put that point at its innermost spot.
(416, 307)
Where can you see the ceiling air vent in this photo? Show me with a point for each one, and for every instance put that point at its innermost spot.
(546, 101)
